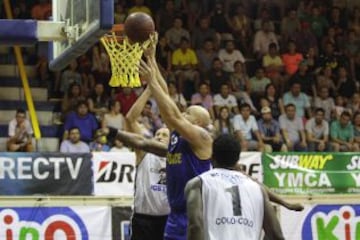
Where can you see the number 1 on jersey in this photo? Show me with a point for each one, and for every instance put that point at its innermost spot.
(236, 201)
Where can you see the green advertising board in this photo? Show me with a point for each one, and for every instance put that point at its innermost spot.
(312, 173)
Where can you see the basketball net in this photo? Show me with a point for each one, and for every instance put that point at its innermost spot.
(124, 57)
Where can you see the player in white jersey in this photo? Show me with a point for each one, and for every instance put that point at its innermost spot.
(150, 203)
(224, 203)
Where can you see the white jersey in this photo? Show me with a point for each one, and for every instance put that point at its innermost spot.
(150, 186)
(233, 206)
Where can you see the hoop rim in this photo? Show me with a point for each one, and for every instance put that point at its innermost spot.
(116, 32)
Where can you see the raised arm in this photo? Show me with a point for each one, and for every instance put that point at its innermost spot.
(194, 208)
(170, 113)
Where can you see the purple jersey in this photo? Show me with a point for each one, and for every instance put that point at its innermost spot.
(181, 166)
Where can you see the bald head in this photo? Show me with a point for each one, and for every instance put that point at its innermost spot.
(198, 115)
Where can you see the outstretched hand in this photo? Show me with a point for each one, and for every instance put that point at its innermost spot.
(150, 51)
(146, 71)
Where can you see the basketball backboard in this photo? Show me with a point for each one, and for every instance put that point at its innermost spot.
(86, 21)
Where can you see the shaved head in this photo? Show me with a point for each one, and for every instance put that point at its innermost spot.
(198, 115)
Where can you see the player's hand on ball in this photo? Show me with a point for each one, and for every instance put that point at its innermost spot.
(145, 71)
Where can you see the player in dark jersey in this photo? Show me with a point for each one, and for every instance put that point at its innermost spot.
(189, 150)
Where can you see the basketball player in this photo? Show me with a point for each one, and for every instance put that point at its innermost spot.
(189, 150)
(224, 203)
(151, 206)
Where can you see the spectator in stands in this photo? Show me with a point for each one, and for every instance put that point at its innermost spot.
(351, 44)
(69, 76)
(185, 64)
(150, 120)
(73, 144)
(345, 86)
(274, 101)
(119, 146)
(290, 25)
(337, 21)
(114, 118)
(224, 98)
(257, 84)
(215, 77)
(98, 101)
(177, 97)
(140, 7)
(263, 38)
(193, 9)
(247, 131)
(299, 99)
(229, 55)
(100, 64)
(356, 124)
(120, 13)
(269, 130)
(342, 134)
(340, 107)
(264, 16)
(202, 33)
(241, 27)
(317, 22)
(325, 102)
(176, 33)
(304, 77)
(304, 39)
(317, 132)
(331, 58)
(292, 128)
(71, 99)
(324, 80)
(354, 22)
(41, 10)
(206, 56)
(88, 80)
(126, 97)
(311, 57)
(163, 56)
(291, 59)
(332, 38)
(83, 120)
(20, 133)
(204, 99)
(223, 124)
(99, 144)
(354, 103)
(355, 69)
(274, 67)
(219, 19)
(165, 16)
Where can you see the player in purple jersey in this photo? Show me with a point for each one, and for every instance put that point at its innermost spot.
(189, 150)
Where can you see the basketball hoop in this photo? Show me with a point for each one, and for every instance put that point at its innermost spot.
(124, 57)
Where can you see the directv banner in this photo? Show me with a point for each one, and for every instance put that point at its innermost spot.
(322, 222)
(56, 223)
(312, 173)
(45, 173)
(114, 173)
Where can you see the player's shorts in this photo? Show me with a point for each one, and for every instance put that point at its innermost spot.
(176, 227)
(145, 226)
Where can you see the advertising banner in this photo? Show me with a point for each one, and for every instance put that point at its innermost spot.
(114, 173)
(251, 161)
(320, 222)
(56, 223)
(121, 217)
(45, 173)
(312, 173)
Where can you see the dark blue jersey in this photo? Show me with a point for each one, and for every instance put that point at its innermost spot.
(182, 165)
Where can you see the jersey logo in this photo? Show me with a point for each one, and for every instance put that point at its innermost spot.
(162, 176)
(173, 141)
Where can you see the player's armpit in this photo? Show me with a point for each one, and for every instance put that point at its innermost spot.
(195, 230)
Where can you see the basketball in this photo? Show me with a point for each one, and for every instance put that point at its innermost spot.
(138, 27)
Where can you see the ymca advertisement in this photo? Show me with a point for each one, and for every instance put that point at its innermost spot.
(320, 222)
(56, 223)
(114, 173)
(312, 173)
(45, 173)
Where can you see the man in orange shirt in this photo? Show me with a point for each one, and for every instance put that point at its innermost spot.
(291, 59)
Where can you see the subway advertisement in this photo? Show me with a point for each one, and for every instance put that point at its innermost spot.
(312, 173)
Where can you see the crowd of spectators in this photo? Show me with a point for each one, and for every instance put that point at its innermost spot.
(280, 75)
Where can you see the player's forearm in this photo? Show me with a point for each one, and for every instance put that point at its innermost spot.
(130, 139)
(138, 106)
(159, 76)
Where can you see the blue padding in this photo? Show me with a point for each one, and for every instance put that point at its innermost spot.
(18, 32)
